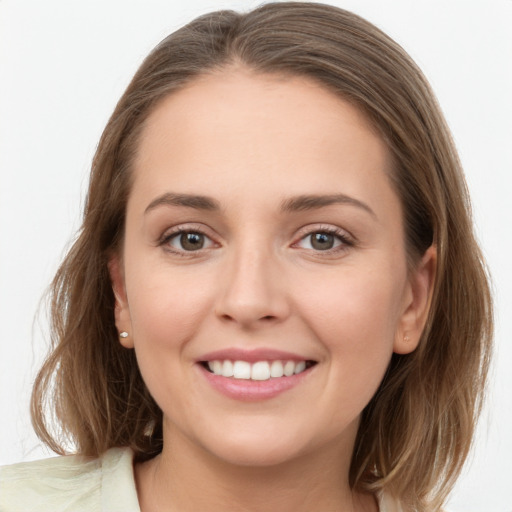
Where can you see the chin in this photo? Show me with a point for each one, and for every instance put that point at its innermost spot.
(256, 455)
(262, 446)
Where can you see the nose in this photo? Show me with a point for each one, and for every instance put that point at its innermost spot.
(253, 290)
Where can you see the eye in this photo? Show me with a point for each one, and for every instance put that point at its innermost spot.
(324, 240)
(188, 241)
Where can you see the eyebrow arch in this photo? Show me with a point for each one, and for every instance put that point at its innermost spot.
(312, 202)
(187, 200)
(293, 204)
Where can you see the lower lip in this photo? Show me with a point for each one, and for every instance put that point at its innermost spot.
(253, 390)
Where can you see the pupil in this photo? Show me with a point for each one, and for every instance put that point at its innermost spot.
(192, 241)
(322, 241)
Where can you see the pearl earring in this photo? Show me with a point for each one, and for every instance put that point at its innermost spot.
(123, 334)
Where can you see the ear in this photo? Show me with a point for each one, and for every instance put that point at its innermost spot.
(418, 298)
(121, 309)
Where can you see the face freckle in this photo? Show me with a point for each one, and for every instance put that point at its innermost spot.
(262, 225)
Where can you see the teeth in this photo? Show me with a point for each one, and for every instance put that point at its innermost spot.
(227, 369)
(242, 370)
(261, 370)
(300, 367)
(276, 370)
(289, 368)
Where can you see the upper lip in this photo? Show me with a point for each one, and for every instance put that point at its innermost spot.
(252, 356)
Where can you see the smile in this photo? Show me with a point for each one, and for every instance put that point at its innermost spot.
(259, 370)
(256, 374)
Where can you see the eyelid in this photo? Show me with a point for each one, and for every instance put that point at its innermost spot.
(179, 229)
(346, 238)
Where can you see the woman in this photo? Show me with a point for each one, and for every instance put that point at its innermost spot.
(269, 297)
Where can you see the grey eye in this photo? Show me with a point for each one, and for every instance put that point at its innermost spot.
(321, 241)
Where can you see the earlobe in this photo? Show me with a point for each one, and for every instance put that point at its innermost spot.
(121, 309)
(417, 304)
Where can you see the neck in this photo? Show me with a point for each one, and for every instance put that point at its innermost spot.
(186, 478)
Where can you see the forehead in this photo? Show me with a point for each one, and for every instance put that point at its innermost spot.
(235, 129)
(237, 99)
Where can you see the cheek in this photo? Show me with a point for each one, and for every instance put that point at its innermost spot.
(166, 313)
(166, 310)
(354, 305)
(356, 317)
(166, 303)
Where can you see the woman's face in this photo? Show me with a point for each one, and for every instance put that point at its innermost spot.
(263, 233)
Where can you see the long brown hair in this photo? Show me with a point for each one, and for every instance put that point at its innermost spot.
(416, 432)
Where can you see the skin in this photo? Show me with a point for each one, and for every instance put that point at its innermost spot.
(251, 142)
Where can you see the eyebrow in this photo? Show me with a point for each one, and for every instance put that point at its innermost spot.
(187, 200)
(313, 202)
(293, 204)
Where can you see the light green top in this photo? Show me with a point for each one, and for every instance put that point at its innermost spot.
(77, 484)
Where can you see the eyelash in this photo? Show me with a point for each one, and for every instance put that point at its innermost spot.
(177, 232)
(346, 241)
(342, 236)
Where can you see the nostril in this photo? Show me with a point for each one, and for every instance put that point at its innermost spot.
(225, 316)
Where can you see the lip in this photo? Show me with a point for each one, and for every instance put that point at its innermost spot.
(252, 356)
(247, 390)
(252, 390)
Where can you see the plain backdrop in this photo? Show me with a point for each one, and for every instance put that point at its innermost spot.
(64, 64)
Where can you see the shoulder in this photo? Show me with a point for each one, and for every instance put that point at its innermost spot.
(388, 504)
(71, 483)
